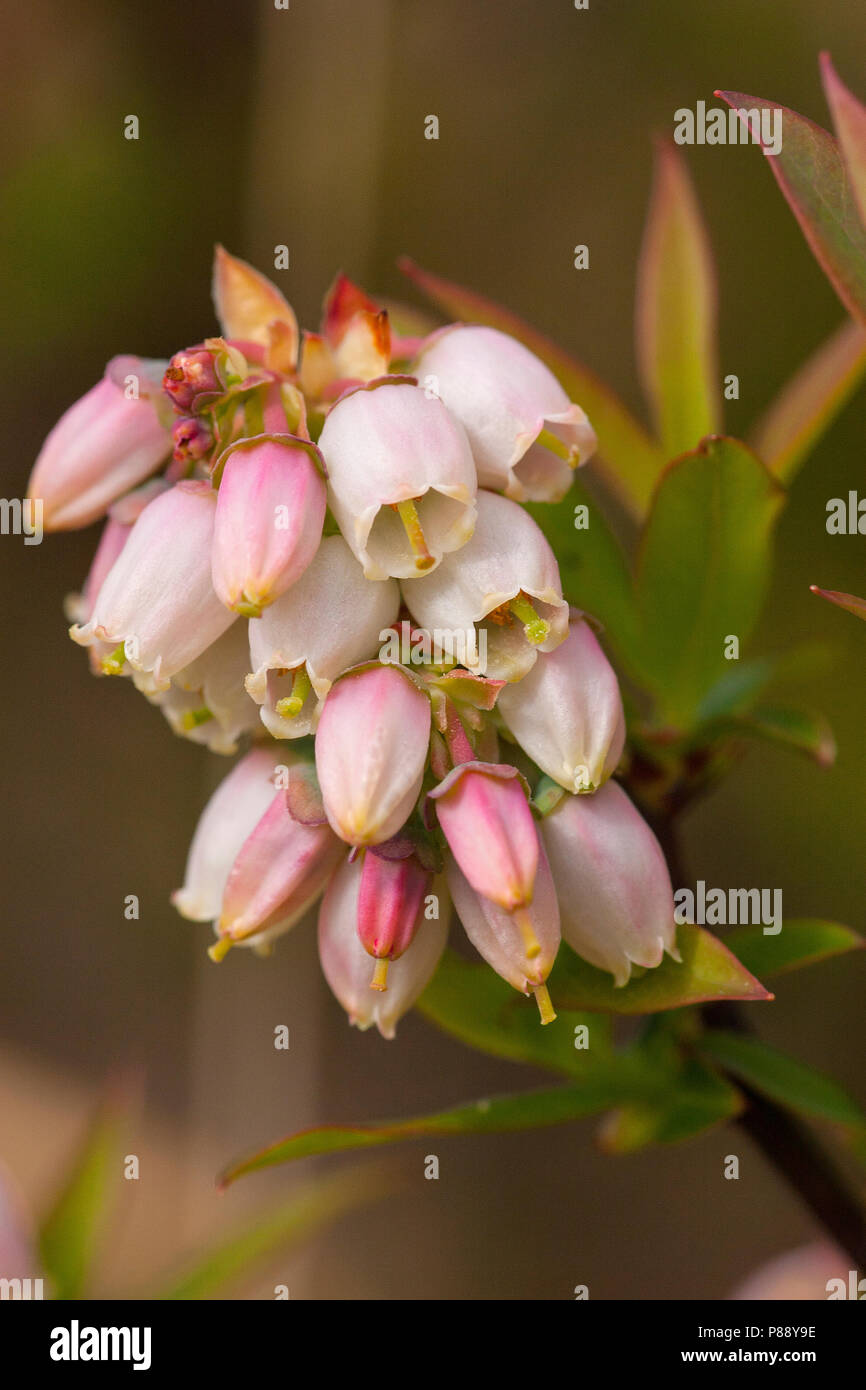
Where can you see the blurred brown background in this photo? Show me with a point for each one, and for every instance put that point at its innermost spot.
(306, 127)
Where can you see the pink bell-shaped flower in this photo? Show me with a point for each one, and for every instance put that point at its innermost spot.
(207, 702)
(390, 903)
(615, 896)
(567, 712)
(521, 946)
(231, 814)
(401, 480)
(331, 619)
(157, 608)
(504, 581)
(346, 964)
(108, 442)
(280, 870)
(485, 817)
(525, 433)
(371, 751)
(270, 509)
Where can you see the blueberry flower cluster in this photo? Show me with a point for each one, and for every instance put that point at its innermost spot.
(314, 543)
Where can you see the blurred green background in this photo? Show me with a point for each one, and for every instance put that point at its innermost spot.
(306, 127)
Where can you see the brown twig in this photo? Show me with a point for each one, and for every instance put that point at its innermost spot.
(787, 1143)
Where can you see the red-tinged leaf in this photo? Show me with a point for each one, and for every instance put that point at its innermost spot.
(850, 602)
(802, 941)
(676, 311)
(707, 971)
(529, 1110)
(627, 461)
(810, 401)
(849, 118)
(247, 303)
(811, 173)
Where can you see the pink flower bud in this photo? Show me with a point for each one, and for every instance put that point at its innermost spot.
(104, 445)
(157, 602)
(567, 712)
(230, 815)
(401, 477)
(371, 750)
(192, 379)
(485, 817)
(270, 510)
(347, 966)
(331, 619)
(505, 578)
(193, 439)
(279, 872)
(390, 902)
(526, 435)
(612, 882)
(521, 946)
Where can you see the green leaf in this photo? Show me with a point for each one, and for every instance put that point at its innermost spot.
(469, 1001)
(707, 971)
(736, 688)
(279, 1231)
(69, 1234)
(780, 1077)
(850, 602)
(703, 568)
(811, 173)
(595, 573)
(627, 461)
(529, 1110)
(700, 1100)
(849, 119)
(807, 405)
(794, 728)
(802, 941)
(676, 311)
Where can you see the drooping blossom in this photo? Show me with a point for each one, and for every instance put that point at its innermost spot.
(371, 751)
(104, 445)
(401, 480)
(612, 882)
(567, 712)
(526, 435)
(505, 579)
(346, 964)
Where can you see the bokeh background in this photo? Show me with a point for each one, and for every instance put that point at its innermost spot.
(306, 127)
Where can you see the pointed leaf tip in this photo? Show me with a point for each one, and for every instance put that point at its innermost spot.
(811, 172)
(675, 321)
(850, 602)
(849, 119)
